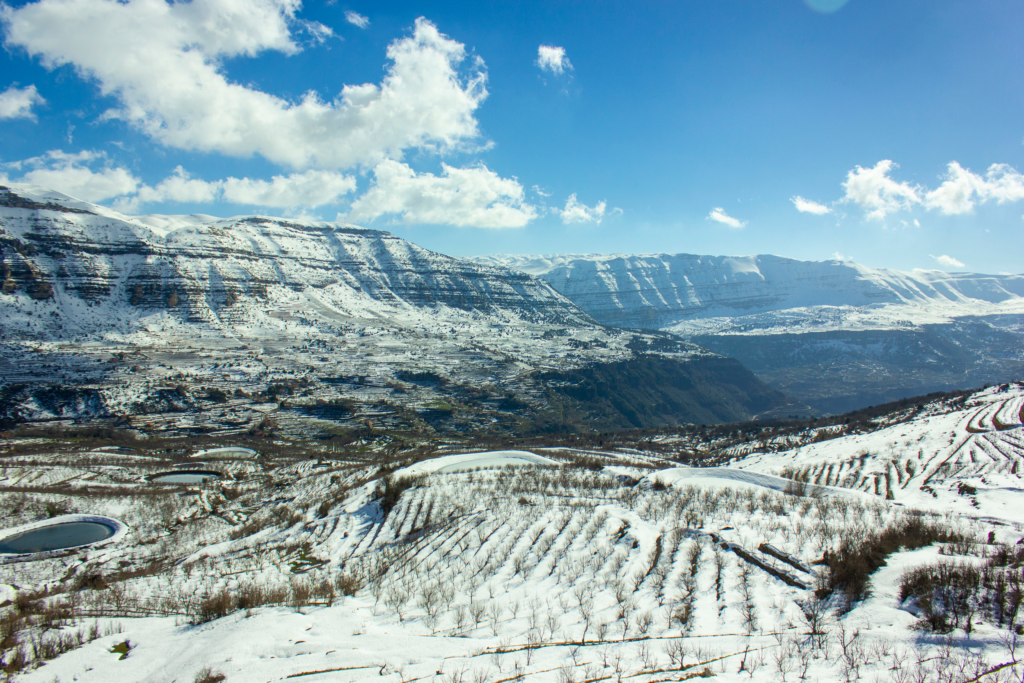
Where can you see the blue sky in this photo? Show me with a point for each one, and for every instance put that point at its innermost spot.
(890, 133)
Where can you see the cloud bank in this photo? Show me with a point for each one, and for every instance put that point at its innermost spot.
(174, 89)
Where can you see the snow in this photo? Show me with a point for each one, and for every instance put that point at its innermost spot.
(466, 462)
(764, 294)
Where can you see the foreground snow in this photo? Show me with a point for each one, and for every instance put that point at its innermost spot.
(511, 565)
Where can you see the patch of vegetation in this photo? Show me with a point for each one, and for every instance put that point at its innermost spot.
(855, 561)
(952, 595)
(390, 489)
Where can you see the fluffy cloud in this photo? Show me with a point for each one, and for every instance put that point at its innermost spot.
(72, 175)
(17, 103)
(947, 261)
(312, 188)
(463, 197)
(718, 214)
(962, 188)
(177, 187)
(874, 191)
(574, 212)
(807, 206)
(552, 58)
(163, 62)
(88, 175)
(357, 19)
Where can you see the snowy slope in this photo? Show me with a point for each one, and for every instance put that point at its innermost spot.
(694, 294)
(500, 566)
(91, 269)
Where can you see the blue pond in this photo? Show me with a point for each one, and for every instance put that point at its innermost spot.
(55, 537)
(196, 477)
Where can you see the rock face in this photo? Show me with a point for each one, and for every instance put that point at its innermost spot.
(205, 270)
(660, 291)
(836, 335)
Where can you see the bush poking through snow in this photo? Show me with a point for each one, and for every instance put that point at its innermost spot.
(208, 675)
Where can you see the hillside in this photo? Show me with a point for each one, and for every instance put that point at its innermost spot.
(193, 324)
(835, 334)
(834, 552)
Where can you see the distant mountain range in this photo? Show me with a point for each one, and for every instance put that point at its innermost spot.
(835, 334)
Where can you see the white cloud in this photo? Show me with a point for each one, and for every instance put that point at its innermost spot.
(164, 63)
(541, 192)
(962, 188)
(89, 176)
(179, 187)
(463, 197)
(17, 103)
(72, 175)
(837, 256)
(718, 214)
(357, 19)
(807, 206)
(552, 58)
(574, 212)
(312, 188)
(947, 261)
(874, 191)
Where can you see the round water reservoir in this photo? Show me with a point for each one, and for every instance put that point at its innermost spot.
(56, 537)
(184, 477)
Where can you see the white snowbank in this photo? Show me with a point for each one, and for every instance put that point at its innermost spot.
(226, 452)
(468, 461)
(690, 476)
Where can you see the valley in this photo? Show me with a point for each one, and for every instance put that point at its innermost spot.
(835, 335)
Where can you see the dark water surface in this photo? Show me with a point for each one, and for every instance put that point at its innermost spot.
(55, 537)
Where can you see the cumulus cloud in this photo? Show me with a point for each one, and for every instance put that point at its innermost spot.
(312, 188)
(947, 261)
(962, 188)
(88, 175)
(719, 215)
(552, 58)
(357, 19)
(463, 197)
(874, 191)
(173, 86)
(76, 175)
(17, 103)
(574, 212)
(807, 206)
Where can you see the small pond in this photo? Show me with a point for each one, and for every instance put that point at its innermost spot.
(56, 537)
(184, 477)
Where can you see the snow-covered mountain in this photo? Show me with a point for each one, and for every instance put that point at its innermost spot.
(835, 334)
(706, 294)
(194, 322)
(96, 268)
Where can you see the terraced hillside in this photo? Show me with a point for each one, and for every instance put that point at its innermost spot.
(560, 563)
